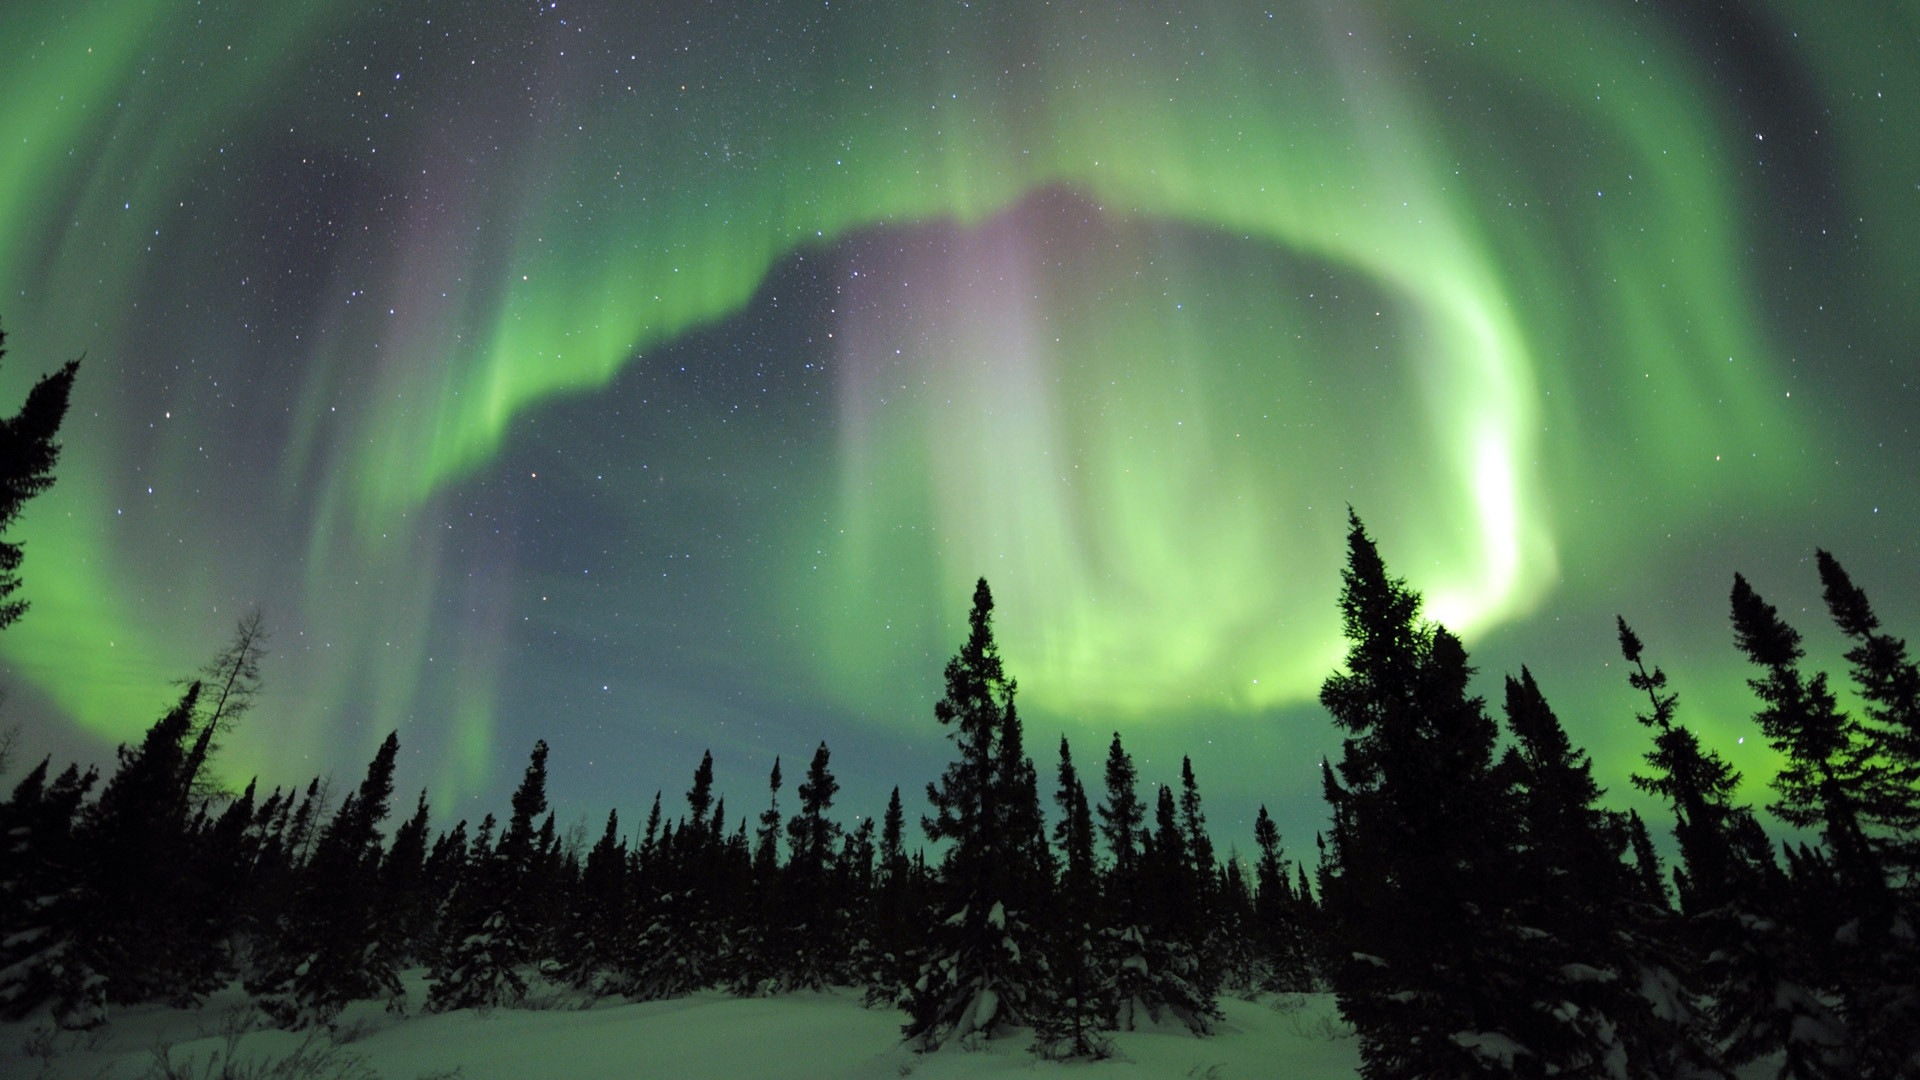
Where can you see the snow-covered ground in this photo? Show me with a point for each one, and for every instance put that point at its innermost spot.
(828, 1036)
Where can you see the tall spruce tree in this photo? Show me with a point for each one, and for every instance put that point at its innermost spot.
(1597, 942)
(1121, 813)
(1825, 752)
(813, 934)
(28, 453)
(1698, 784)
(763, 945)
(1888, 682)
(1209, 930)
(1071, 1027)
(404, 882)
(686, 936)
(1278, 925)
(1859, 947)
(495, 924)
(982, 968)
(1126, 963)
(331, 946)
(1416, 889)
(1752, 975)
(1176, 983)
(897, 916)
(41, 878)
(134, 906)
(598, 913)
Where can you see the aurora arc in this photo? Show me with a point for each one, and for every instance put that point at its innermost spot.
(536, 203)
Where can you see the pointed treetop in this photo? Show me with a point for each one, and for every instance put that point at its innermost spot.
(1759, 631)
(1845, 600)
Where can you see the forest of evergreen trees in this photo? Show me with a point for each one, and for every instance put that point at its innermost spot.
(150, 885)
(1479, 909)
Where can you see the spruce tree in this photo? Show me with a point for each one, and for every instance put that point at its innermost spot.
(405, 885)
(1277, 923)
(1124, 964)
(495, 932)
(1824, 750)
(684, 939)
(1029, 859)
(981, 971)
(133, 914)
(1698, 784)
(41, 881)
(1176, 983)
(1859, 948)
(597, 914)
(763, 949)
(1596, 939)
(332, 945)
(896, 920)
(766, 851)
(1753, 976)
(1415, 890)
(28, 454)
(1121, 814)
(850, 899)
(1649, 881)
(1071, 1027)
(1888, 682)
(1207, 927)
(1199, 846)
(812, 932)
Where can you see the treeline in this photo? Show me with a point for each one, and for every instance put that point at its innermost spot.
(1486, 914)
(149, 886)
(1480, 910)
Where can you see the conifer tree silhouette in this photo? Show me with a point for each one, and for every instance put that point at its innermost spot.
(982, 968)
(28, 453)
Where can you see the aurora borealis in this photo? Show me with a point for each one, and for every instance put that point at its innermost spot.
(658, 377)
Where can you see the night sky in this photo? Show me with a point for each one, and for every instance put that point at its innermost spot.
(658, 377)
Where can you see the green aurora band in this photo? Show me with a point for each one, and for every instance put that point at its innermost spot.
(1131, 304)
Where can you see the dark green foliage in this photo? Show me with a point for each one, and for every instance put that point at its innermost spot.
(1593, 937)
(984, 966)
(40, 881)
(1762, 994)
(1122, 956)
(405, 885)
(1121, 814)
(851, 891)
(1824, 751)
(1647, 876)
(1698, 784)
(28, 453)
(1071, 1027)
(1846, 934)
(766, 851)
(333, 945)
(1178, 981)
(812, 934)
(762, 946)
(497, 919)
(1279, 915)
(136, 912)
(1474, 918)
(686, 932)
(1888, 682)
(598, 911)
(898, 912)
(1418, 879)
